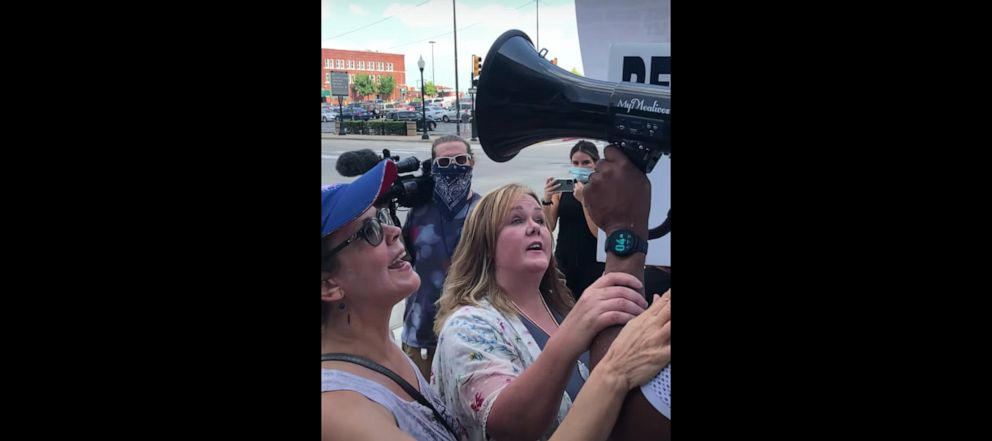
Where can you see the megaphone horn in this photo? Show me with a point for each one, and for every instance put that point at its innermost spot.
(523, 99)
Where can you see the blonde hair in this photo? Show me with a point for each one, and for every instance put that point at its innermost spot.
(472, 275)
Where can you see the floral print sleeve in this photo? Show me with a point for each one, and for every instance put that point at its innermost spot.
(478, 354)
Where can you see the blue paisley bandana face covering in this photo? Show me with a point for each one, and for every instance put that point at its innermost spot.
(580, 173)
(452, 185)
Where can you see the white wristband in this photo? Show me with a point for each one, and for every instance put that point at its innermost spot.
(658, 391)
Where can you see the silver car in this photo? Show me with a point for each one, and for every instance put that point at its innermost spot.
(435, 113)
(450, 115)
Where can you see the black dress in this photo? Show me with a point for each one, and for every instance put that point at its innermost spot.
(576, 247)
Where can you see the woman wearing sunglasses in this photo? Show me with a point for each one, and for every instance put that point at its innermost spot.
(363, 274)
(431, 233)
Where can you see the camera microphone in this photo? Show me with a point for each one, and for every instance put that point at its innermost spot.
(356, 163)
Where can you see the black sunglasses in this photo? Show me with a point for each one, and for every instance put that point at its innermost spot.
(371, 231)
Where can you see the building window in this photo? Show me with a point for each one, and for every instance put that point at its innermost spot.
(389, 67)
(381, 66)
(351, 64)
(327, 63)
(340, 64)
(361, 65)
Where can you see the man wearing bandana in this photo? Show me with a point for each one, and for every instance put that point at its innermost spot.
(431, 234)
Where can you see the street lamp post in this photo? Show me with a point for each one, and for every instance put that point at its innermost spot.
(433, 78)
(458, 106)
(472, 91)
(423, 104)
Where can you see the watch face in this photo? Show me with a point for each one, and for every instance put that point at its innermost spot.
(623, 242)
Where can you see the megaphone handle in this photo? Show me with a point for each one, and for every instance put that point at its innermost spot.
(663, 229)
(644, 157)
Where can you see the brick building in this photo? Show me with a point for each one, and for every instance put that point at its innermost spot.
(374, 64)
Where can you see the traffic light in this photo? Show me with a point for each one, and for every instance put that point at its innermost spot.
(476, 65)
(554, 61)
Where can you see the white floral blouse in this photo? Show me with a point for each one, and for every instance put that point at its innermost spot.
(479, 352)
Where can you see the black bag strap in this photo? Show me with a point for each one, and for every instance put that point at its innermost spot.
(369, 364)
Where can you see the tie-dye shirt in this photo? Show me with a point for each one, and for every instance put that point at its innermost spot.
(479, 352)
(411, 417)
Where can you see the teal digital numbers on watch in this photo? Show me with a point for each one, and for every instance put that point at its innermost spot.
(624, 243)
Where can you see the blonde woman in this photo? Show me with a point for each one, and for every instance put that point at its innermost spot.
(509, 363)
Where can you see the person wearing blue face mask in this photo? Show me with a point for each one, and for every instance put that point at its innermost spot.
(576, 245)
(431, 233)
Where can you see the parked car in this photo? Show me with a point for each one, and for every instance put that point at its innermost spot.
(327, 115)
(355, 113)
(450, 115)
(435, 113)
(412, 116)
(394, 107)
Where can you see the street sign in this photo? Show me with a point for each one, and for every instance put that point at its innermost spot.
(339, 84)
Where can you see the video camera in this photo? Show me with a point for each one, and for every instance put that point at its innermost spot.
(407, 191)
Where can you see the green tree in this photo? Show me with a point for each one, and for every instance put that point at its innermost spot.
(363, 86)
(386, 86)
(430, 90)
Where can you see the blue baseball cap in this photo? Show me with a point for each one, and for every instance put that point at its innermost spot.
(343, 203)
